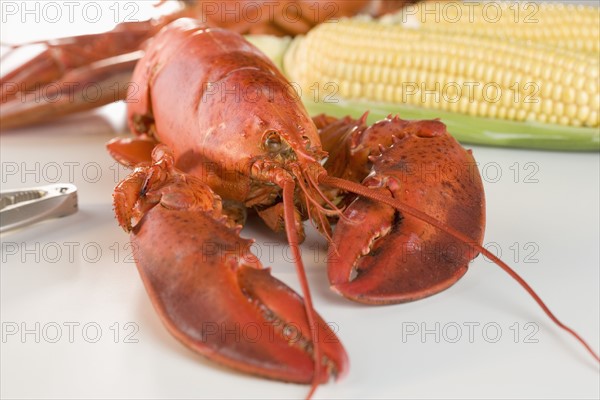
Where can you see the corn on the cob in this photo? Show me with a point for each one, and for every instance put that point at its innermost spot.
(570, 26)
(478, 76)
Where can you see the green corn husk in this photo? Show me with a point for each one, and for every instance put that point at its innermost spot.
(474, 130)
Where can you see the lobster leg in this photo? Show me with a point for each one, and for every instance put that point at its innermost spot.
(59, 76)
(273, 216)
(211, 293)
(64, 55)
(82, 89)
(67, 54)
(132, 152)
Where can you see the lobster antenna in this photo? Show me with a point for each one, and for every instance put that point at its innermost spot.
(366, 192)
(292, 235)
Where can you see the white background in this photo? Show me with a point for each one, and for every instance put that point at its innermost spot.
(42, 282)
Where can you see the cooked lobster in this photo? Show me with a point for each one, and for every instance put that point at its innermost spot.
(219, 130)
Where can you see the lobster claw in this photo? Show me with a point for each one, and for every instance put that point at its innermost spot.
(210, 292)
(380, 256)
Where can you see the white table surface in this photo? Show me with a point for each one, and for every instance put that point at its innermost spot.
(76, 274)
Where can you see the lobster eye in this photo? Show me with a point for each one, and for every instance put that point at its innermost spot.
(272, 142)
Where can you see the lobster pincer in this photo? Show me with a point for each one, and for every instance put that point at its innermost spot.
(390, 257)
(209, 290)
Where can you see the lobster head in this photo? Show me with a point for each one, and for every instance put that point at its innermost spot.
(230, 117)
(238, 93)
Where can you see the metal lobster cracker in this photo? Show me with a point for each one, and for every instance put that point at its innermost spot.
(209, 98)
(21, 207)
